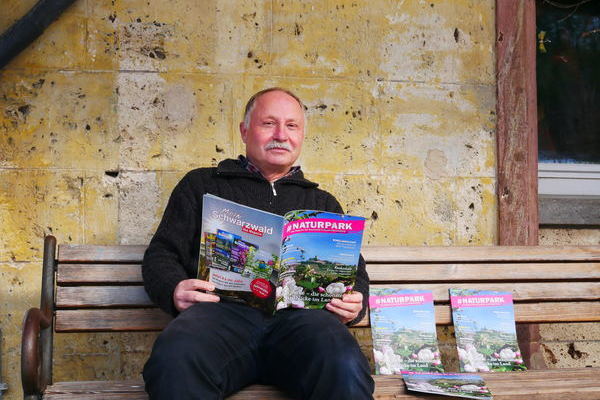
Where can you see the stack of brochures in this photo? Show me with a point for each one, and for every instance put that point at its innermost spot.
(457, 385)
(405, 343)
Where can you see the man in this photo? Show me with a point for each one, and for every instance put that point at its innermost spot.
(214, 348)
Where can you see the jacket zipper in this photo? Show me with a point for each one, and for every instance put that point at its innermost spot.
(273, 197)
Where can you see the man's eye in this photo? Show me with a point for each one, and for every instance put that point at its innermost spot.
(292, 126)
(268, 123)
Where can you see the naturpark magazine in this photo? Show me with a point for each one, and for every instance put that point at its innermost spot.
(458, 385)
(300, 260)
(403, 331)
(484, 323)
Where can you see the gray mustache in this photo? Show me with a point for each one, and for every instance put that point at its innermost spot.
(278, 145)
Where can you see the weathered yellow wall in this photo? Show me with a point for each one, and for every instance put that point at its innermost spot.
(103, 114)
(570, 345)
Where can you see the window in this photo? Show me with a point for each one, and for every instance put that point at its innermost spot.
(568, 98)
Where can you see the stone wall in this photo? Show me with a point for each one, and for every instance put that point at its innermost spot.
(577, 344)
(103, 114)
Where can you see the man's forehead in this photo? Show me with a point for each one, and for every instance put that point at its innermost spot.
(276, 97)
(265, 116)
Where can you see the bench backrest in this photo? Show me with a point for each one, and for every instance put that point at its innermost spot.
(549, 283)
(99, 288)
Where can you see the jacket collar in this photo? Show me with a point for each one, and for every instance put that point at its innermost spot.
(233, 168)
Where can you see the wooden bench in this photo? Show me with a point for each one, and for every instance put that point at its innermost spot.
(89, 288)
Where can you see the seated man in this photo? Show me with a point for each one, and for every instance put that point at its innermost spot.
(214, 348)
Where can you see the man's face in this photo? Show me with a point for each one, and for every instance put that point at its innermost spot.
(275, 133)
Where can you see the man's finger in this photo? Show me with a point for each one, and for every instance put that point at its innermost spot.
(344, 315)
(352, 298)
(345, 305)
(193, 296)
(198, 297)
(198, 284)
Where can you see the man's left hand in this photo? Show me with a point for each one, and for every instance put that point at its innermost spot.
(346, 308)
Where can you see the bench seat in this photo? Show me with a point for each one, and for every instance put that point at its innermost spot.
(532, 385)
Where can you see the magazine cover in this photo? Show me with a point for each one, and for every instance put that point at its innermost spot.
(403, 331)
(239, 251)
(457, 385)
(319, 258)
(484, 322)
(301, 260)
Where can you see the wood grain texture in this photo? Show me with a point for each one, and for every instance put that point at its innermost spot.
(487, 254)
(94, 273)
(483, 272)
(108, 320)
(537, 385)
(531, 291)
(374, 254)
(97, 390)
(71, 274)
(100, 254)
(530, 313)
(516, 128)
(102, 296)
(494, 271)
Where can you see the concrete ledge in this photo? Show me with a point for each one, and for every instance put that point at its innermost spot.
(569, 211)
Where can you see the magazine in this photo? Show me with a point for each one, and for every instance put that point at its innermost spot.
(458, 385)
(303, 259)
(403, 331)
(484, 322)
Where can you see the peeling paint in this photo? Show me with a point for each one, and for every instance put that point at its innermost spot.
(435, 164)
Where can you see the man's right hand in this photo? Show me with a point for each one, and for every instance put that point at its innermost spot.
(186, 293)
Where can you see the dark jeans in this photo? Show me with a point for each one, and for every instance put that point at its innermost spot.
(212, 350)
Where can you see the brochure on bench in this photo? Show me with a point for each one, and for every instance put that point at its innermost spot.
(458, 385)
(484, 323)
(403, 331)
(300, 260)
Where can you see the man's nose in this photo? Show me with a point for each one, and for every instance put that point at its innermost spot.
(280, 133)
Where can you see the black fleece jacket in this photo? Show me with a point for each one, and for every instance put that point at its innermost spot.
(172, 255)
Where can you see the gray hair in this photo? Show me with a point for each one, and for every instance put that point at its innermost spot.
(252, 103)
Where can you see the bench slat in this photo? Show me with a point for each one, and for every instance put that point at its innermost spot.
(101, 296)
(536, 385)
(114, 254)
(483, 272)
(452, 254)
(91, 273)
(531, 291)
(155, 319)
(531, 313)
(96, 390)
(457, 254)
(96, 396)
(136, 296)
(105, 320)
(94, 273)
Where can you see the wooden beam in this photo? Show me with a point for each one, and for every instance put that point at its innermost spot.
(517, 122)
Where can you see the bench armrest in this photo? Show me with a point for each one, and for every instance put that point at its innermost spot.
(33, 378)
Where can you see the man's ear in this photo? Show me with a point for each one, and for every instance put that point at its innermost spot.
(243, 131)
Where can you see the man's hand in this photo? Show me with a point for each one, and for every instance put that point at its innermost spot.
(186, 293)
(346, 308)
